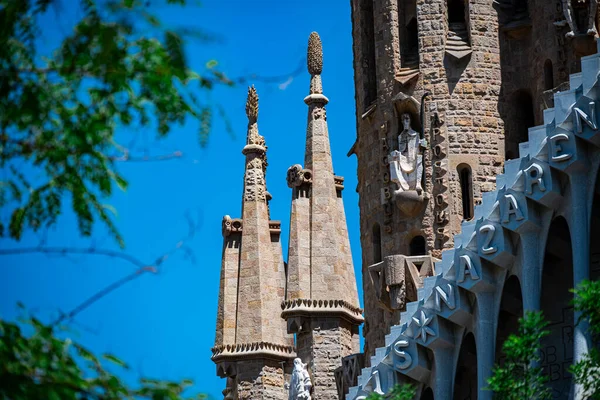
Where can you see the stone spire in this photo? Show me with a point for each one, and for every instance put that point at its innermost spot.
(251, 340)
(321, 304)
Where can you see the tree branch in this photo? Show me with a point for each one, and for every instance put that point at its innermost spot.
(75, 250)
(141, 269)
(30, 146)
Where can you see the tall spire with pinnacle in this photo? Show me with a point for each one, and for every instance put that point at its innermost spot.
(321, 304)
(251, 339)
(319, 245)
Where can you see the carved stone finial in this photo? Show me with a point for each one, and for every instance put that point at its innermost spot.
(252, 105)
(226, 225)
(315, 54)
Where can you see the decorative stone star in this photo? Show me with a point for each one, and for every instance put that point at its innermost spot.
(423, 329)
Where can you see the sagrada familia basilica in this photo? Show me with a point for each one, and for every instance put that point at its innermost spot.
(478, 148)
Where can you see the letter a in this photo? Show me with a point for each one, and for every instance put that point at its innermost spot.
(465, 266)
(510, 206)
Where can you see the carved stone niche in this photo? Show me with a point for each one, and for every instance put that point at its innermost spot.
(397, 278)
(410, 202)
(347, 374)
(404, 103)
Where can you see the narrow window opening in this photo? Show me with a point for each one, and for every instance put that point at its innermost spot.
(520, 119)
(418, 246)
(458, 30)
(409, 34)
(411, 54)
(548, 75)
(368, 63)
(456, 12)
(376, 244)
(466, 190)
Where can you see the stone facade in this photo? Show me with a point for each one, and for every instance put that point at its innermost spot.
(322, 306)
(502, 100)
(315, 296)
(474, 75)
(527, 238)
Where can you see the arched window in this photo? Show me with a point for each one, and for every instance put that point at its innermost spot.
(418, 246)
(376, 244)
(519, 119)
(511, 309)
(548, 75)
(465, 379)
(555, 300)
(465, 177)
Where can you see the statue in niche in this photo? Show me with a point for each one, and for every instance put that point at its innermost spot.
(406, 163)
(570, 16)
(300, 384)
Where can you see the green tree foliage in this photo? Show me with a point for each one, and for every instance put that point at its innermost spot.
(60, 109)
(587, 371)
(519, 378)
(42, 366)
(398, 392)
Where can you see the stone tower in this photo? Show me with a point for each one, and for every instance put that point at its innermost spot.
(321, 306)
(472, 76)
(252, 347)
(436, 64)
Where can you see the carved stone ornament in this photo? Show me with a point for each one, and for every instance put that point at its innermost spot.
(297, 176)
(590, 29)
(300, 384)
(315, 62)
(406, 169)
(226, 225)
(254, 138)
(315, 54)
(252, 105)
(406, 163)
(254, 188)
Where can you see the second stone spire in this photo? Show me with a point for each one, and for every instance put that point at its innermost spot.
(321, 305)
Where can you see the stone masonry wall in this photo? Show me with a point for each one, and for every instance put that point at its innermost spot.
(322, 349)
(260, 379)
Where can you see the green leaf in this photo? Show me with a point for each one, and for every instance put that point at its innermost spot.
(16, 223)
(113, 359)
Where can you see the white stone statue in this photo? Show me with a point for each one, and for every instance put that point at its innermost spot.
(406, 163)
(300, 384)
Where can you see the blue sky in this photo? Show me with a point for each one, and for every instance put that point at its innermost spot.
(163, 325)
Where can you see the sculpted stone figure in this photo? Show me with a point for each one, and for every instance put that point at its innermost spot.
(300, 384)
(406, 163)
(568, 10)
